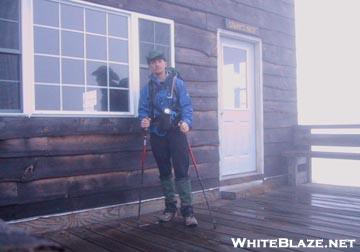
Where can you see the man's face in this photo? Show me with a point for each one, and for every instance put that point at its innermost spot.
(157, 66)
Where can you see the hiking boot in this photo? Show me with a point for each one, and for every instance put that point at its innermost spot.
(190, 221)
(167, 216)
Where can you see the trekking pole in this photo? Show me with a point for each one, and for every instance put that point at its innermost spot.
(201, 184)
(143, 155)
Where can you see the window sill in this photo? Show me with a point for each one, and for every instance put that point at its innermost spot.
(107, 115)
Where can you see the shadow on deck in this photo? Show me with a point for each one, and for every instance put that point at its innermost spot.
(303, 212)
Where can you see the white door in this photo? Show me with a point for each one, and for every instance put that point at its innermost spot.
(236, 108)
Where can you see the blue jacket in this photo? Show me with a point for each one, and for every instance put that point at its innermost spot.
(180, 103)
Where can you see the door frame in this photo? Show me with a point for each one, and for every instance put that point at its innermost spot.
(258, 99)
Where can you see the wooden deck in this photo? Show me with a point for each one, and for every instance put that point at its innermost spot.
(304, 212)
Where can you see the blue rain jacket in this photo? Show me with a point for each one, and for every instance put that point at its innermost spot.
(179, 102)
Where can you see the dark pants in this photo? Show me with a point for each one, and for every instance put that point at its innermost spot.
(171, 148)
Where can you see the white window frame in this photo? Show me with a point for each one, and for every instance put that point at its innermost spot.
(28, 56)
(170, 22)
(18, 52)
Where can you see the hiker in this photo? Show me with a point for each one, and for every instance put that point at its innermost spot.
(165, 108)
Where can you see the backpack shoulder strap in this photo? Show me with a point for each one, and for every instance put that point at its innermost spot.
(151, 97)
(173, 87)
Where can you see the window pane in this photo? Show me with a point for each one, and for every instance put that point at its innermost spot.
(118, 26)
(73, 71)
(46, 13)
(146, 30)
(96, 73)
(9, 67)
(103, 35)
(118, 50)
(96, 47)
(47, 69)
(144, 76)
(9, 96)
(119, 100)
(145, 48)
(96, 99)
(119, 75)
(9, 35)
(73, 98)
(9, 9)
(72, 44)
(95, 22)
(234, 68)
(162, 33)
(47, 97)
(72, 17)
(46, 40)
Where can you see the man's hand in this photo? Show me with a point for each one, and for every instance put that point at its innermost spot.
(184, 127)
(145, 123)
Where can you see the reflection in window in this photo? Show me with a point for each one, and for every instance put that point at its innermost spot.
(72, 44)
(46, 13)
(153, 36)
(72, 17)
(9, 10)
(81, 58)
(235, 78)
(96, 47)
(73, 71)
(46, 40)
(10, 82)
(9, 34)
(95, 21)
(121, 75)
(96, 73)
(118, 26)
(9, 96)
(47, 69)
(73, 98)
(118, 50)
(96, 99)
(47, 97)
(119, 100)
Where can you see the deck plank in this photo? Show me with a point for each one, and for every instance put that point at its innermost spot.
(304, 212)
(101, 240)
(284, 212)
(183, 236)
(73, 243)
(301, 208)
(115, 227)
(337, 202)
(176, 230)
(255, 211)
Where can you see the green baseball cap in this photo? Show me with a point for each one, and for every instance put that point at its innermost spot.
(154, 54)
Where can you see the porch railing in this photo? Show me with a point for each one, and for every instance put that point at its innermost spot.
(320, 141)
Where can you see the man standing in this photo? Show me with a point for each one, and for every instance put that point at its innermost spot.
(165, 107)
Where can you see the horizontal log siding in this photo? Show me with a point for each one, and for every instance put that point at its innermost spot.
(50, 165)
